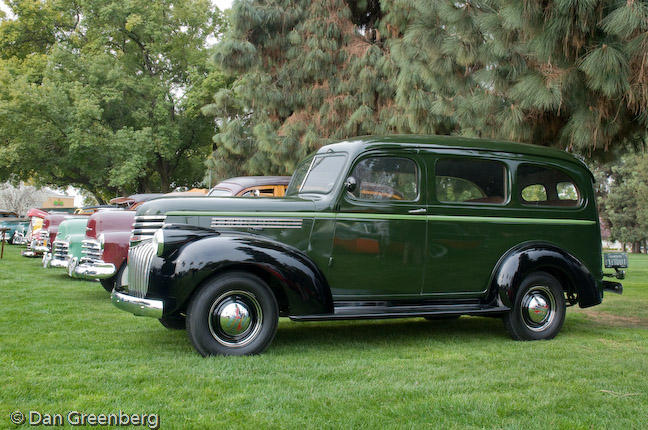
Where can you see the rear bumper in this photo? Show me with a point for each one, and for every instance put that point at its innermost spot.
(137, 306)
(93, 270)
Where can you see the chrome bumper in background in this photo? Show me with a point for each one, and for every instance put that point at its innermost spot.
(137, 306)
(92, 270)
(50, 261)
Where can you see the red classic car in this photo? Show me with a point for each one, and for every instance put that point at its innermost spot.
(105, 247)
(109, 232)
(42, 240)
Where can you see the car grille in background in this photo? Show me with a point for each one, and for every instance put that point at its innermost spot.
(139, 265)
(145, 226)
(91, 250)
(60, 251)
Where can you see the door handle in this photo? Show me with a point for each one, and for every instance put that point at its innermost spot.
(417, 211)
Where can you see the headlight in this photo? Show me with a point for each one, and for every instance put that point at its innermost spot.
(158, 242)
(101, 240)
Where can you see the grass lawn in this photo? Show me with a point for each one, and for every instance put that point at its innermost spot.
(64, 347)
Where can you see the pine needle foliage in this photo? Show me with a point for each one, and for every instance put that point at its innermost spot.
(565, 73)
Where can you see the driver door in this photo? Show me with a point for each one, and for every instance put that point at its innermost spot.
(380, 229)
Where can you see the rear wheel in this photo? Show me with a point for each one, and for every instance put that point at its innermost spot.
(539, 308)
(233, 314)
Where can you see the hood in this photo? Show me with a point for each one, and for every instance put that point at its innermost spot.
(71, 226)
(225, 204)
(105, 221)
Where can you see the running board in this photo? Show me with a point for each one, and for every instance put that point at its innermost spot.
(383, 312)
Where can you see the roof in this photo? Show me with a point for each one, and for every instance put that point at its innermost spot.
(239, 183)
(451, 142)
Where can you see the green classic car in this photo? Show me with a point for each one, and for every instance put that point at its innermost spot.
(13, 229)
(67, 244)
(377, 227)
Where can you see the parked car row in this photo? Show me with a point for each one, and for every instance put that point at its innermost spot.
(367, 228)
(93, 243)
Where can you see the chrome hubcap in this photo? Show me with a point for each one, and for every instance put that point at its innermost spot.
(538, 308)
(235, 318)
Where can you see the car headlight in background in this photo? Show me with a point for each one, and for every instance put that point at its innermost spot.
(158, 242)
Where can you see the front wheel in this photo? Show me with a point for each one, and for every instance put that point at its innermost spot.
(233, 314)
(539, 308)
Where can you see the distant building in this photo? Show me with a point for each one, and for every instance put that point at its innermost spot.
(58, 201)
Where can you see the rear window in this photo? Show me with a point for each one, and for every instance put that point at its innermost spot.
(463, 180)
(546, 186)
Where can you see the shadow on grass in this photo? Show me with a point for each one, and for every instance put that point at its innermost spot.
(377, 332)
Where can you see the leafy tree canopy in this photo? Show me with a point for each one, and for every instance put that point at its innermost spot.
(106, 94)
(564, 73)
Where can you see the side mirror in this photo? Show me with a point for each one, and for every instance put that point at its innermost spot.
(350, 184)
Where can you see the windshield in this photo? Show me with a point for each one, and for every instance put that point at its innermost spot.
(219, 192)
(317, 175)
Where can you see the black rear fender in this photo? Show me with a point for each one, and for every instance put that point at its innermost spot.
(526, 258)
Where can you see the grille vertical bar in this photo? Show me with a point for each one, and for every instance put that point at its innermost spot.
(139, 265)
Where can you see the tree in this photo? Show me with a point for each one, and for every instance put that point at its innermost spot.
(561, 73)
(106, 95)
(623, 203)
(20, 198)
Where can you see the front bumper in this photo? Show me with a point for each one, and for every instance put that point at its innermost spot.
(93, 270)
(50, 261)
(137, 306)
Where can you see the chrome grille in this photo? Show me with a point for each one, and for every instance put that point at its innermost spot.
(145, 226)
(91, 250)
(60, 249)
(139, 266)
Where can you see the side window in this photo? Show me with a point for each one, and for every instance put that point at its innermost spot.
(386, 178)
(463, 180)
(558, 189)
(534, 193)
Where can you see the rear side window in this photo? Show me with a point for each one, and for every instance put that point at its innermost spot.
(386, 178)
(460, 180)
(545, 186)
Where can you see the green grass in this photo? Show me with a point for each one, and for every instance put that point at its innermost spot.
(64, 347)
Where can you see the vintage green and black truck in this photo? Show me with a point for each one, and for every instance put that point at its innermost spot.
(377, 227)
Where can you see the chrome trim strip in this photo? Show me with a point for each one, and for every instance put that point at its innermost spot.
(229, 222)
(137, 305)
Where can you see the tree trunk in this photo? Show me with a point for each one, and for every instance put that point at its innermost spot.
(636, 247)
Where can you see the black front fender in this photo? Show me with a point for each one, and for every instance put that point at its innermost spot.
(526, 258)
(300, 284)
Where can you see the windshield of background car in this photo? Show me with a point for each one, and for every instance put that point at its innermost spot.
(219, 192)
(317, 175)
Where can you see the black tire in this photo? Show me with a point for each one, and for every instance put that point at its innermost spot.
(109, 284)
(174, 323)
(248, 316)
(539, 308)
